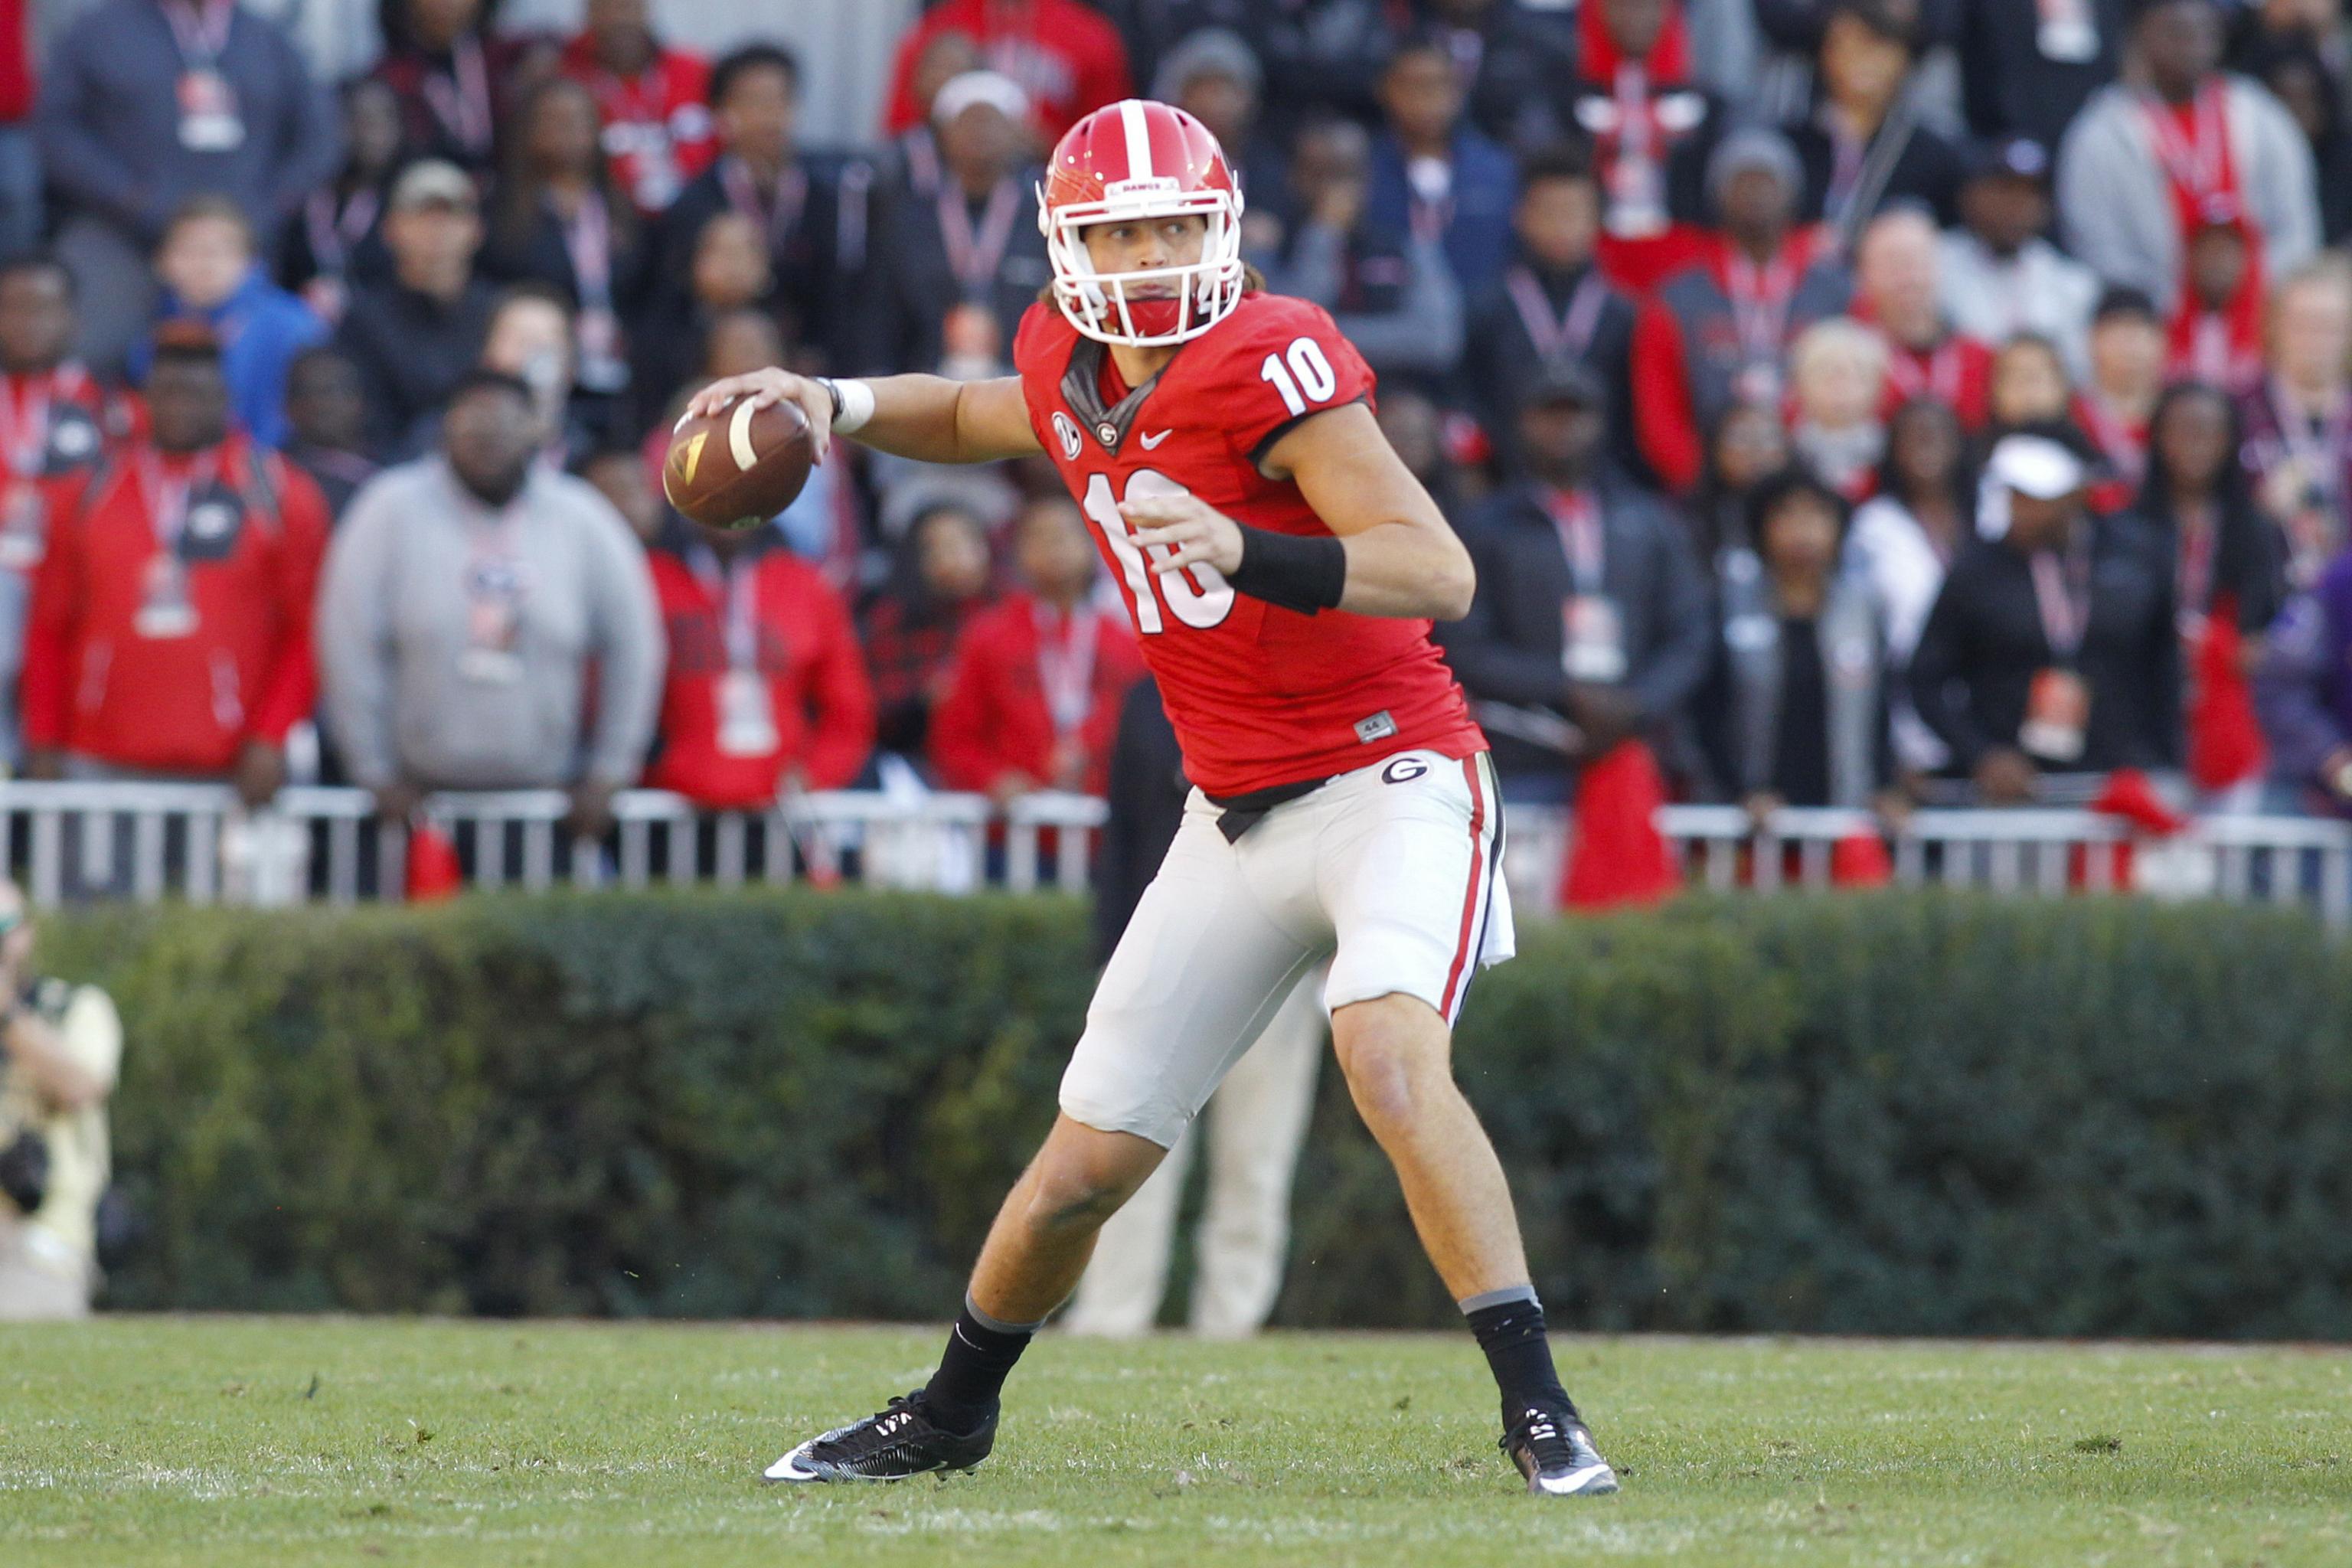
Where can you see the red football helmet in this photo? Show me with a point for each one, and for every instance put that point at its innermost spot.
(1139, 160)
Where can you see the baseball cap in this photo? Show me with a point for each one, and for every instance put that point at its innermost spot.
(1753, 147)
(994, 89)
(2037, 466)
(433, 182)
(2011, 157)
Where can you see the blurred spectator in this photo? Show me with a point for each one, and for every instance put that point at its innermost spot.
(1434, 175)
(2140, 164)
(727, 271)
(531, 338)
(1865, 146)
(1320, 55)
(1553, 303)
(470, 599)
(560, 220)
(2217, 328)
(1652, 129)
(149, 102)
(939, 578)
(1748, 445)
(1392, 293)
(60, 1054)
(2299, 417)
(324, 415)
(1906, 537)
(815, 213)
(20, 158)
(2229, 578)
(1796, 711)
(414, 336)
(622, 476)
(1516, 66)
(654, 100)
(1416, 428)
(53, 427)
(456, 76)
(766, 691)
(1257, 1120)
(2303, 686)
(2028, 65)
(1033, 700)
(1215, 78)
(1715, 333)
(913, 159)
(1837, 373)
(955, 271)
(337, 238)
(211, 276)
(2300, 77)
(1999, 276)
(1589, 625)
(2053, 647)
(170, 616)
(2030, 385)
(1066, 57)
(2128, 355)
(1898, 288)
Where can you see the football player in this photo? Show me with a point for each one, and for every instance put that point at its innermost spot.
(1281, 568)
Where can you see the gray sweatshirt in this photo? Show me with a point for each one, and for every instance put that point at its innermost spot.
(408, 692)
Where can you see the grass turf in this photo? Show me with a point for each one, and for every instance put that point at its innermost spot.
(292, 1442)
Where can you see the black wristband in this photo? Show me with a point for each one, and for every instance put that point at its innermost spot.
(1293, 571)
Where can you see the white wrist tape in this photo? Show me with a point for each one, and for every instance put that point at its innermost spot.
(856, 406)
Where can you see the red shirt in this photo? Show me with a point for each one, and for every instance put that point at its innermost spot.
(1259, 696)
(1016, 661)
(1957, 370)
(17, 73)
(54, 428)
(658, 126)
(169, 657)
(772, 615)
(1067, 56)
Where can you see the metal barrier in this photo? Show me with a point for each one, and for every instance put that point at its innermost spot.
(196, 841)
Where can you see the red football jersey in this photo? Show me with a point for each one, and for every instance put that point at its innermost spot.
(1259, 695)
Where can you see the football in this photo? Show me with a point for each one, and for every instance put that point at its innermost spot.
(741, 467)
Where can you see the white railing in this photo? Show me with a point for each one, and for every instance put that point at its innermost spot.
(149, 841)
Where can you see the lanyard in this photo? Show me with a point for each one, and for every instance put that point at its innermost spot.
(2193, 577)
(1761, 298)
(25, 440)
(333, 229)
(2198, 160)
(200, 30)
(1569, 334)
(2061, 593)
(588, 240)
(494, 554)
(1941, 378)
(1581, 538)
(779, 212)
(167, 498)
(2126, 452)
(1066, 667)
(734, 583)
(974, 258)
(461, 101)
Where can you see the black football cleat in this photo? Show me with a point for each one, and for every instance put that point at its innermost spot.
(1554, 1451)
(891, 1445)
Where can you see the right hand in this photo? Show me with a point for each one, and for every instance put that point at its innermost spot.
(398, 801)
(765, 388)
(2006, 776)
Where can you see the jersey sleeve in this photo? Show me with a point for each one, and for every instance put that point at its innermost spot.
(1286, 363)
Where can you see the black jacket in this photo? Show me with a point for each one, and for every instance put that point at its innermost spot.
(1984, 643)
(1502, 361)
(411, 351)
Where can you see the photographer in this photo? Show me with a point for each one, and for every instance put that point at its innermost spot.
(59, 1048)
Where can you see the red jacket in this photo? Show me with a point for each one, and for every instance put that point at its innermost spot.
(994, 718)
(658, 126)
(16, 75)
(106, 682)
(1067, 56)
(806, 649)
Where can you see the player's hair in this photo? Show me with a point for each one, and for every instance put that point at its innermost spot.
(210, 206)
(1253, 282)
(750, 58)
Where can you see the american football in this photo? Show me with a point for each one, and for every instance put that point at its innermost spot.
(738, 468)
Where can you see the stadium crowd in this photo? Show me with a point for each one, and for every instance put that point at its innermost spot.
(1847, 402)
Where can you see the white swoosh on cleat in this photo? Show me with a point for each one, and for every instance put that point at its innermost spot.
(1577, 1481)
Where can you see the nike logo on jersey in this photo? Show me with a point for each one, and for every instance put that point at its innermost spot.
(1150, 442)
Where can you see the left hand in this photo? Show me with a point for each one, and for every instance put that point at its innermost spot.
(260, 774)
(1195, 531)
(592, 809)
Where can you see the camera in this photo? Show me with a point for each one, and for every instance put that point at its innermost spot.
(25, 1169)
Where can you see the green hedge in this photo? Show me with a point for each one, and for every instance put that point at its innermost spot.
(1885, 1113)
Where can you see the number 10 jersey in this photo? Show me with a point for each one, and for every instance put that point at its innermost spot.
(1259, 695)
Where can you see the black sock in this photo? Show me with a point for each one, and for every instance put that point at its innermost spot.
(980, 1353)
(1510, 1329)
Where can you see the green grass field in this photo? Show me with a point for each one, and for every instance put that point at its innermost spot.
(290, 1442)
